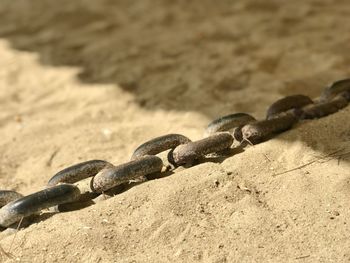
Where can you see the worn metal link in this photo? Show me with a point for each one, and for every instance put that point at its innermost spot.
(159, 144)
(345, 95)
(261, 130)
(7, 196)
(111, 177)
(281, 116)
(34, 203)
(323, 109)
(187, 153)
(288, 103)
(338, 87)
(79, 172)
(228, 122)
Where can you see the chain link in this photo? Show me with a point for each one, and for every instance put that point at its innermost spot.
(159, 144)
(97, 176)
(187, 153)
(228, 122)
(34, 203)
(338, 87)
(324, 108)
(139, 168)
(286, 104)
(260, 131)
(79, 172)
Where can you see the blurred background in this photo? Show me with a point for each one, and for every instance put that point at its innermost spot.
(189, 55)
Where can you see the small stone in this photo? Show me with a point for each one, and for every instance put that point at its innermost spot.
(104, 221)
(216, 183)
(107, 134)
(334, 214)
(18, 118)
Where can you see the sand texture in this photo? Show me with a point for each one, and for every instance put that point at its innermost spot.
(84, 79)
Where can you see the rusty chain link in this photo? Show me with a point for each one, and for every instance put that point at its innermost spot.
(159, 144)
(189, 152)
(97, 176)
(34, 203)
(78, 172)
(111, 177)
(293, 102)
(228, 122)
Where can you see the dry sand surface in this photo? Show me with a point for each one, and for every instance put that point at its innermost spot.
(86, 79)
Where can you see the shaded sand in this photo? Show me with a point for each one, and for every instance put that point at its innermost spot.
(84, 80)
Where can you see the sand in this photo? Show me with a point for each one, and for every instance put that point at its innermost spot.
(83, 80)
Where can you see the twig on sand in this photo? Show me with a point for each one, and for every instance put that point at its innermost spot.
(301, 257)
(19, 225)
(6, 254)
(313, 161)
(340, 157)
(49, 161)
(267, 158)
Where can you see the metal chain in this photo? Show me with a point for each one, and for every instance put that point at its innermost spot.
(90, 179)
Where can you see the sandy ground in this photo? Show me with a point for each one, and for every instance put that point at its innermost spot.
(83, 80)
